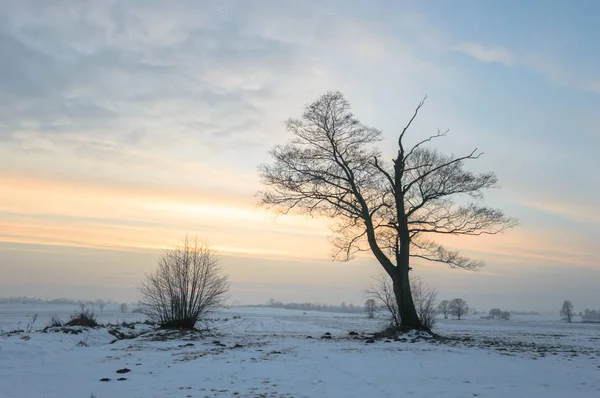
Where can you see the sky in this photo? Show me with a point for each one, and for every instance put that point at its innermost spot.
(125, 125)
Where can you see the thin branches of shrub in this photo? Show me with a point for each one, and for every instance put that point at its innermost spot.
(382, 291)
(424, 297)
(187, 286)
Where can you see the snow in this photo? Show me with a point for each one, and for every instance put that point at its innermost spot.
(262, 352)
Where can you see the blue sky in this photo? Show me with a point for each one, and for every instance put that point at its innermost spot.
(126, 125)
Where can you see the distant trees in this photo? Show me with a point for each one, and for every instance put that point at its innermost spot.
(370, 307)
(591, 316)
(187, 285)
(443, 308)
(33, 300)
(123, 308)
(345, 308)
(567, 310)
(495, 313)
(458, 307)
(332, 168)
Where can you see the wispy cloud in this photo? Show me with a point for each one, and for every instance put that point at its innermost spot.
(557, 71)
(486, 54)
(574, 211)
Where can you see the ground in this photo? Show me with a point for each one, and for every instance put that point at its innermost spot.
(261, 352)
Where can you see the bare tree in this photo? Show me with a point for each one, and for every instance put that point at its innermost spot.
(458, 307)
(187, 285)
(101, 306)
(332, 168)
(443, 308)
(370, 307)
(123, 308)
(567, 310)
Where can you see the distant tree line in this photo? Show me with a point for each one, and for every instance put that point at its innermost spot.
(587, 316)
(524, 312)
(34, 300)
(343, 307)
(592, 316)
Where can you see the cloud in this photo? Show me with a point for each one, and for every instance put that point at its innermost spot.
(100, 75)
(485, 54)
(547, 65)
(589, 213)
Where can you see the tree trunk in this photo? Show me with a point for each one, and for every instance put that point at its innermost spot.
(409, 319)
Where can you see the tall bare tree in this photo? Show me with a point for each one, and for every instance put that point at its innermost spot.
(332, 168)
(187, 285)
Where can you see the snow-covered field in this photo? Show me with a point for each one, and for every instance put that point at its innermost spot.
(262, 352)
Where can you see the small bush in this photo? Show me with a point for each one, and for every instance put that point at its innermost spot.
(84, 318)
(55, 322)
(187, 286)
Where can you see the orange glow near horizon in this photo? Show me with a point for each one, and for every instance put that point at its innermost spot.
(142, 218)
(83, 215)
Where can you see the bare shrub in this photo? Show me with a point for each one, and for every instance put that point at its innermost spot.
(425, 299)
(187, 286)
(54, 322)
(84, 341)
(383, 292)
(83, 318)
